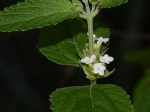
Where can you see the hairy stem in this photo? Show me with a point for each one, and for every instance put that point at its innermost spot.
(90, 31)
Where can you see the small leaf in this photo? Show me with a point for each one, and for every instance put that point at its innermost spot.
(111, 3)
(107, 73)
(102, 98)
(33, 14)
(102, 31)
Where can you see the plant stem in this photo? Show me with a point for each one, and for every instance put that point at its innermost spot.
(91, 96)
(86, 2)
(93, 82)
(90, 31)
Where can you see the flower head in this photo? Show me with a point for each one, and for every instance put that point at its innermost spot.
(101, 40)
(88, 60)
(99, 68)
(106, 59)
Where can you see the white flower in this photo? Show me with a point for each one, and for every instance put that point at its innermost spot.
(88, 60)
(101, 40)
(99, 68)
(93, 57)
(106, 59)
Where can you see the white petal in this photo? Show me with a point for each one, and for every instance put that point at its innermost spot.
(83, 60)
(96, 71)
(102, 67)
(99, 66)
(106, 40)
(93, 57)
(106, 59)
(101, 72)
(101, 39)
(106, 55)
(103, 60)
(111, 59)
(88, 60)
(96, 65)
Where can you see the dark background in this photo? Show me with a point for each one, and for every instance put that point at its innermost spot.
(27, 78)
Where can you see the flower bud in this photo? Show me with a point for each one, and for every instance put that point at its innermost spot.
(77, 5)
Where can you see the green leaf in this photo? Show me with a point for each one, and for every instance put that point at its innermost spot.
(100, 28)
(107, 73)
(102, 32)
(54, 34)
(142, 104)
(111, 3)
(74, 42)
(102, 98)
(75, 32)
(68, 29)
(142, 94)
(103, 51)
(80, 43)
(65, 52)
(33, 14)
(143, 85)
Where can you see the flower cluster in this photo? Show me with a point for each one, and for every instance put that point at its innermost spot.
(98, 62)
(88, 60)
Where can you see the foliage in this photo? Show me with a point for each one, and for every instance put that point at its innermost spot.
(103, 98)
(142, 103)
(110, 3)
(66, 43)
(142, 94)
(143, 85)
(33, 14)
(142, 89)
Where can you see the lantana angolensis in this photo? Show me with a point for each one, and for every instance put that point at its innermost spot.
(106, 59)
(88, 60)
(96, 63)
(102, 40)
(99, 68)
